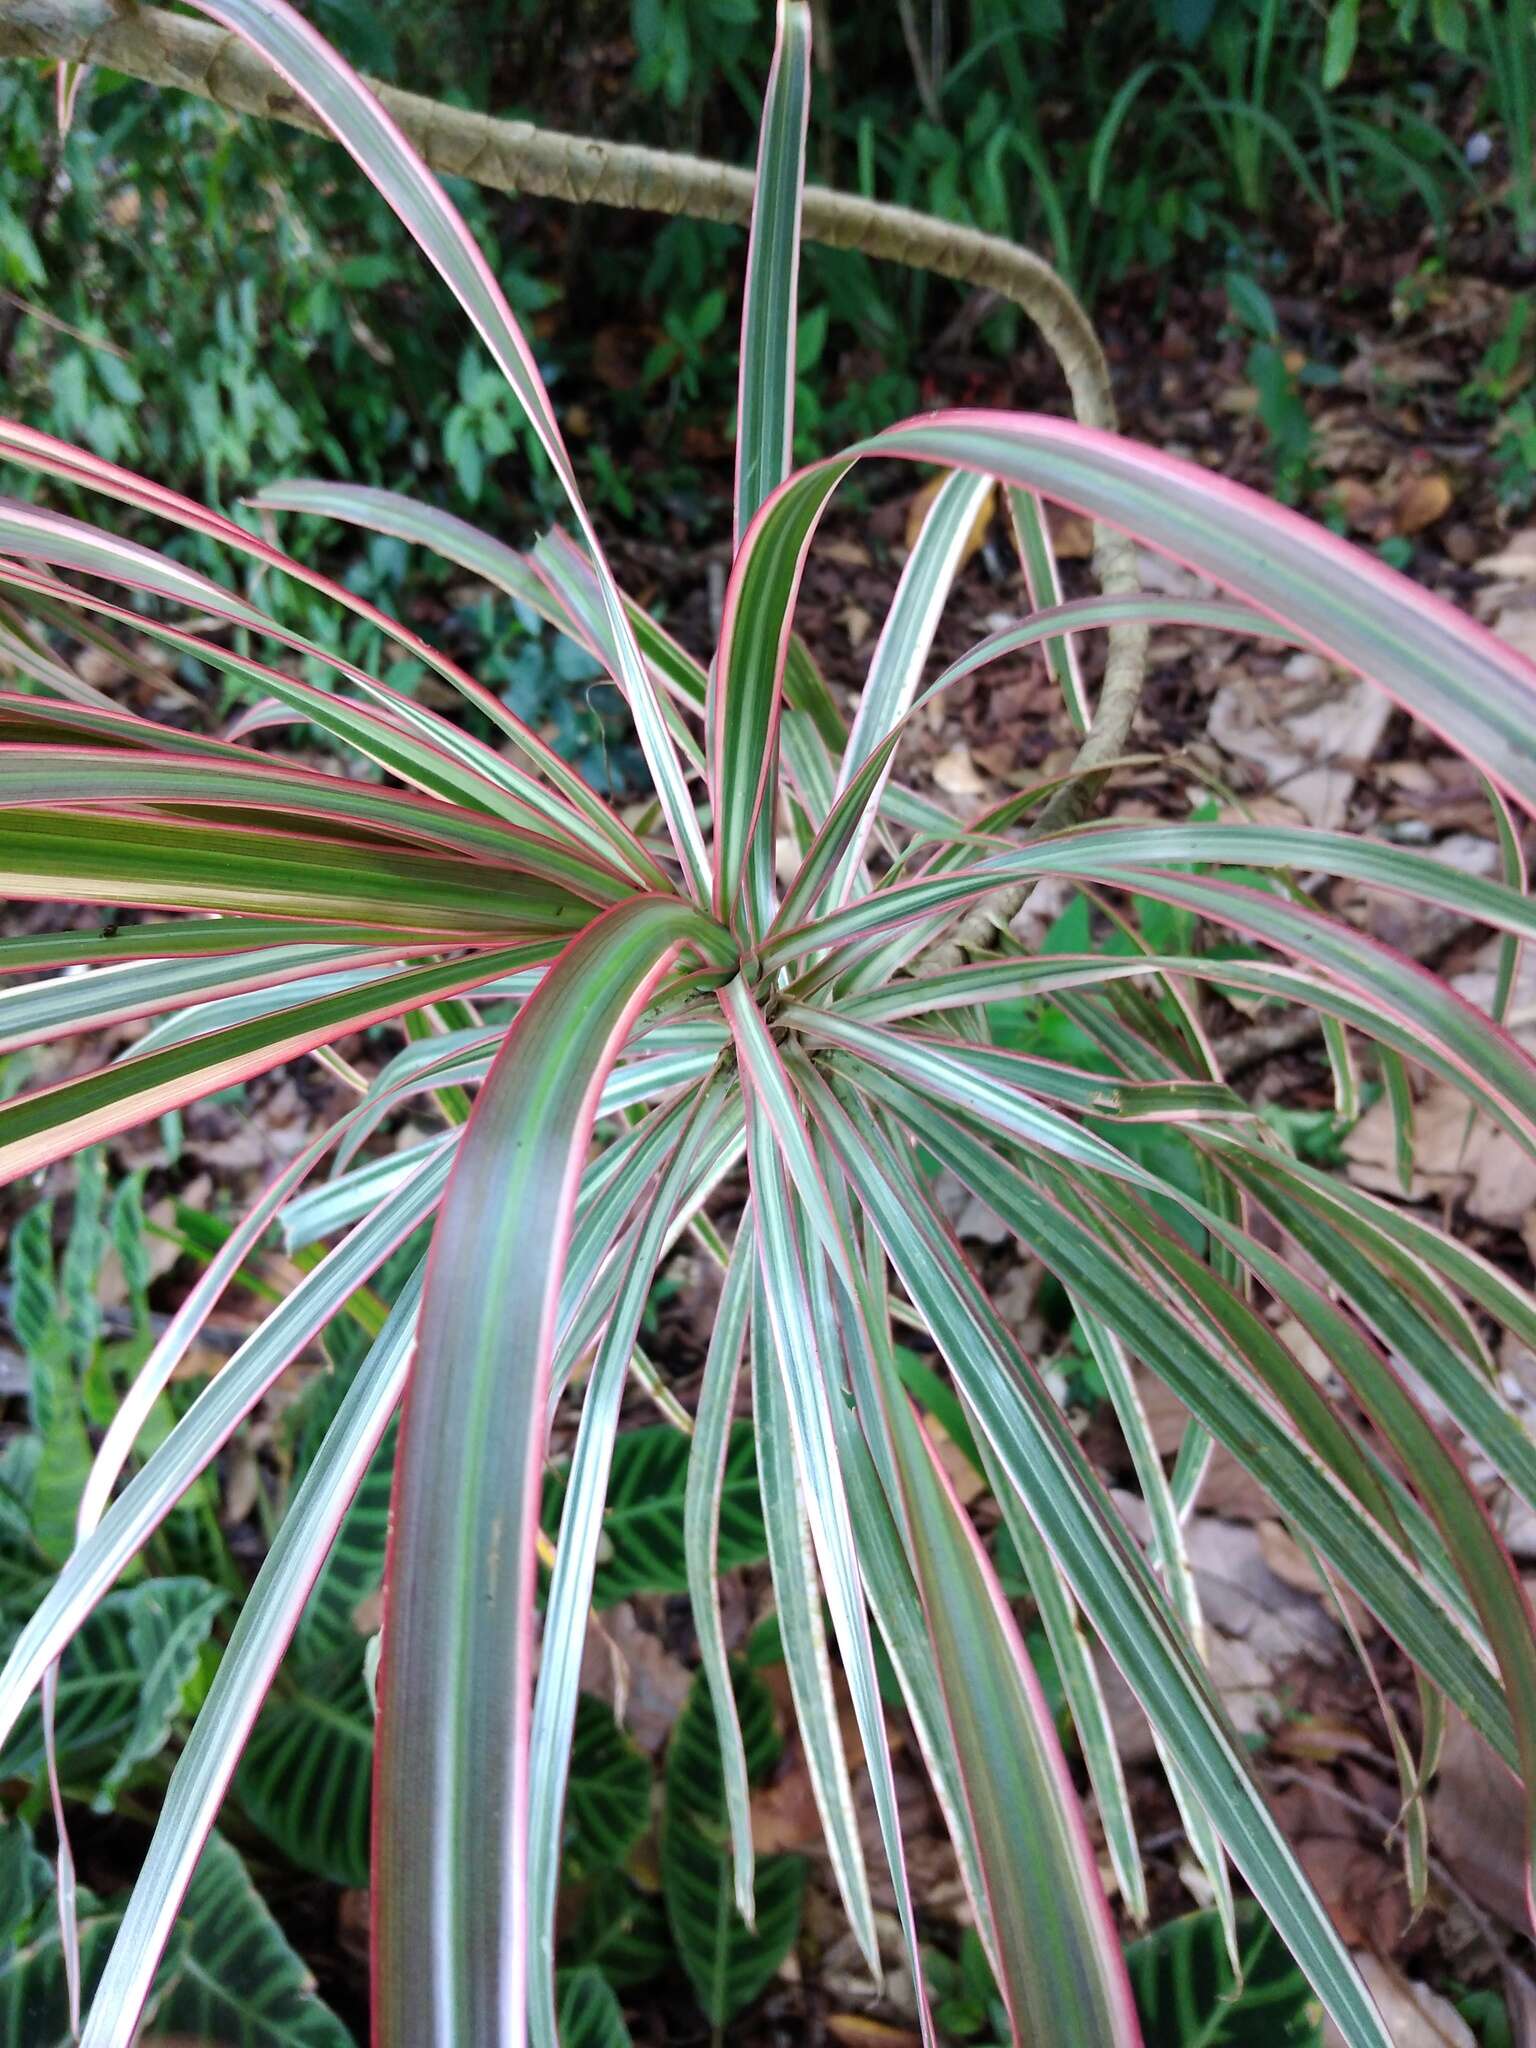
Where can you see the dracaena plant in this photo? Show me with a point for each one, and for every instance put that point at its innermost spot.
(743, 1014)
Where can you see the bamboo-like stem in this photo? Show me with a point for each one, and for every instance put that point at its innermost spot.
(165, 49)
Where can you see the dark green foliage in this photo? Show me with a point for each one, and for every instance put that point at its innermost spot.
(306, 1776)
(621, 1930)
(1188, 1998)
(588, 2012)
(966, 2004)
(229, 1975)
(642, 1545)
(727, 1963)
(608, 1799)
(121, 1684)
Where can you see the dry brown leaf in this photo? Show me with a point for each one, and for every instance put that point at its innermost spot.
(855, 622)
(1487, 1168)
(1414, 2016)
(963, 1476)
(1361, 1885)
(955, 773)
(848, 554)
(1071, 535)
(917, 511)
(1421, 501)
(852, 2030)
(784, 1814)
(627, 1666)
(1516, 560)
(1517, 626)
(1306, 729)
(1476, 1821)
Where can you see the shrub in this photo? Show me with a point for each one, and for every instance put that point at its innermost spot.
(770, 972)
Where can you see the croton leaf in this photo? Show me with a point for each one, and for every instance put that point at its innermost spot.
(642, 1546)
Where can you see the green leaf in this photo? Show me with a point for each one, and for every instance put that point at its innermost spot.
(620, 1930)
(765, 412)
(590, 2015)
(169, 1622)
(1188, 1997)
(643, 1522)
(1339, 42)
(608, 1798)
(306, 1776)
(239, 1983)
(121, 1683)
(452, 1771)
(727, 1963)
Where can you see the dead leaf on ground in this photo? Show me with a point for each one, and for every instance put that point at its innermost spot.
(1071, 535)
(852, 2030)
(1487, 1168)
(917, 511)
(1515, 561)
(627, 1666)
(1414, 2016)
(784, 1814)
(855, 622)
(1476, 1822)
(1516, 626)
(1306, 729)
(955, 773)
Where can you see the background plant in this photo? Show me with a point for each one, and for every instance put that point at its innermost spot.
(801, 1048)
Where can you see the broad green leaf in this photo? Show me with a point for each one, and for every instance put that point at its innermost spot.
(620, 1930)
(306, 1774)
(643, 1547)
(608, 1799)
(120, 1684)
(727, 1963)
(239, 1982)
(590, 2015)
(1188, 1995)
